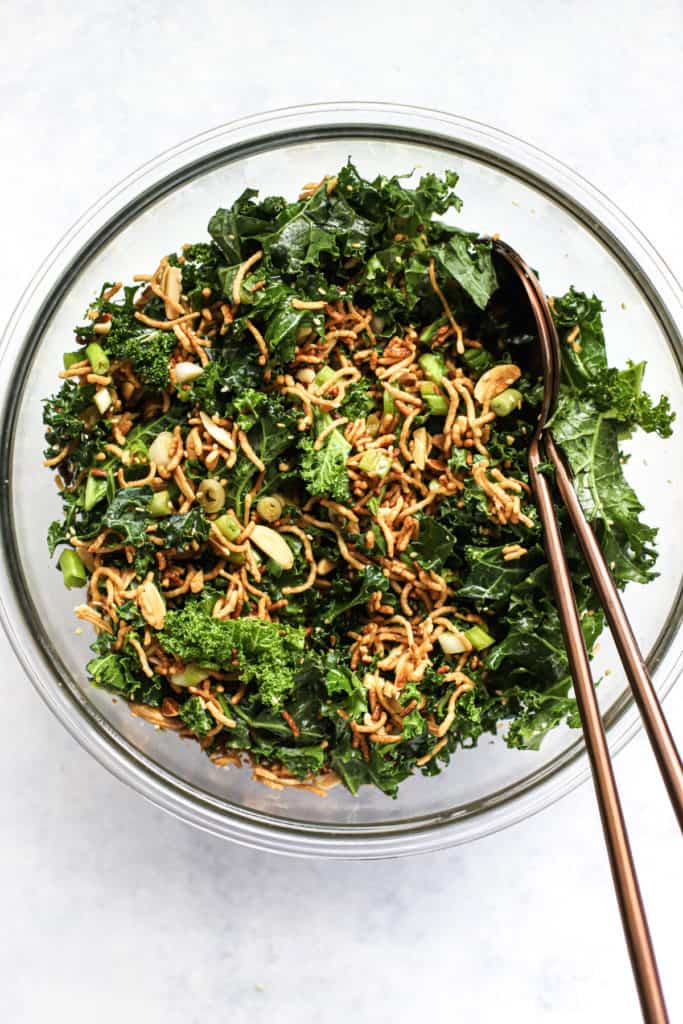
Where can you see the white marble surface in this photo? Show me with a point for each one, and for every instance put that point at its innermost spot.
(111, 910)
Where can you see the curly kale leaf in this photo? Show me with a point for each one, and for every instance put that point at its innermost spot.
(272, 434)
(342, 682)
(245, 220)
(196, 717)
(301, 761)
(119, 672)
(392, 208)
(149, 353)
(261, 652)
(199, 265)
(358, 401)
(591, 443)
(576, 309)
(128, 339)
(324, 470)
(618, 394)
(65, 425)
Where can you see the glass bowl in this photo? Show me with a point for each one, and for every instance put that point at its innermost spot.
(563, 226)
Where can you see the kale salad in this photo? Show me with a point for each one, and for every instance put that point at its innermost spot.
(293, 466)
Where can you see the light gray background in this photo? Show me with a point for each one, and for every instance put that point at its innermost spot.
(110, 909)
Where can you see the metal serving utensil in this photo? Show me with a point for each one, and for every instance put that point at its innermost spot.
(542, 447)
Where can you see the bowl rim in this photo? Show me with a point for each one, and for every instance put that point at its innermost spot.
(112, 211)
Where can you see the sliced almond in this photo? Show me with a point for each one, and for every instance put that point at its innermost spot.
(151, 604)
(171, 285)
(160, 448)
(421, 446)
(219, 434)
(495, 381)
(170, 708)
(185, 373)
(193, 444)
(451, 643)
(273, 545)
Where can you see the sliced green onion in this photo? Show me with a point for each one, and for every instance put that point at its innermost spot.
(372, 424)
(72, 568)
(71, 358)
(438, 405)
(95, 490)
(429, 332)
(102, 400)
(228, 525)
(191, 675)
(211, 495)
(479, 638)
(388, 403)
(504, 403)
(97, 357)
(274, 568)
(433, 366)
(323, 375)
(160, 505)
(376, 462)
(270, 508)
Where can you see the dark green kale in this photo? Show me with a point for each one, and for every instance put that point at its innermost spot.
(120, 673)
(349, 592)
(272, 435)
(200, 265)
(596, 405)
(434, 545)
(488, 579)
(128, 515)
(181, 531)
(324, 470)
(359, 401)
(71, 419)
(196, 717)
(128, 339)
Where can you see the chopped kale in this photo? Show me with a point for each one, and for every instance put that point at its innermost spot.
(376, 543)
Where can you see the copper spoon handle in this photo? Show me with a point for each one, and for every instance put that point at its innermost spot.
(644, 694)
(614, 828)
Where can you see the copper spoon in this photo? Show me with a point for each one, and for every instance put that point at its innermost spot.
(616, 837)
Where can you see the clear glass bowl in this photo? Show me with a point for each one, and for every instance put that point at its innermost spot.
(563, 226)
